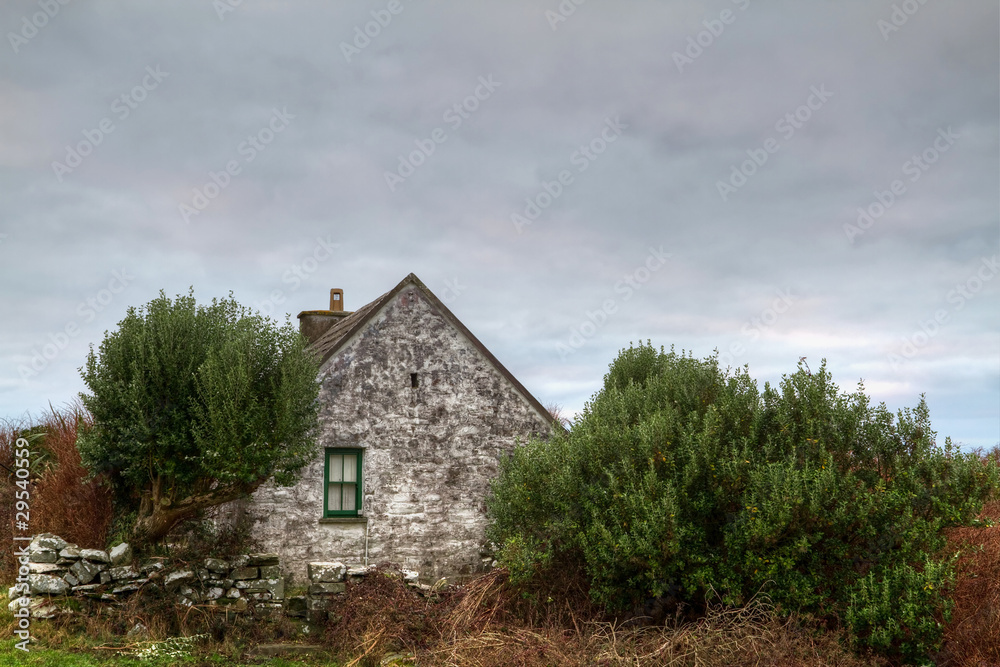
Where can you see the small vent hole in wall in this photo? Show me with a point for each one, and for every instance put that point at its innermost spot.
(413, 380)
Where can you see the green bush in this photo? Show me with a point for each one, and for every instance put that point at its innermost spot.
(680, 478)
(195, 406)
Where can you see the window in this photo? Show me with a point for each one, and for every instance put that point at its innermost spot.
(342, 489)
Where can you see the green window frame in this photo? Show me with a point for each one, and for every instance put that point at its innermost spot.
(342, 482)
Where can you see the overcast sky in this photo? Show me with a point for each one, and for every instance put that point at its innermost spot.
(771, 178)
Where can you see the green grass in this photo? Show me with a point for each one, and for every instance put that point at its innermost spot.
(46, 657)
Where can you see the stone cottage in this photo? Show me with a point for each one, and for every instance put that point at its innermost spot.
(415, 414)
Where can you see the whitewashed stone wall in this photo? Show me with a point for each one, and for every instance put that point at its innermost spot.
(429, 452)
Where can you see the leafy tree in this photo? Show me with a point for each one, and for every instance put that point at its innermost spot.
(195, 406)
(681, 480)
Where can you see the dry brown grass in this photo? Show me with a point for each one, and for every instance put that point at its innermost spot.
(61, 500)
(972, 638)
(487, 623)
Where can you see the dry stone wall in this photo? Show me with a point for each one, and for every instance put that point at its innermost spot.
(51, 568)
(53, 571)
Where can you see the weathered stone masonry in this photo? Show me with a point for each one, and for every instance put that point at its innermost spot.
(53, 568)
(53, 571)
(429, 449)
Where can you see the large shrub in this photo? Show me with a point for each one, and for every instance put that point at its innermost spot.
(680, 479)
(197, 405)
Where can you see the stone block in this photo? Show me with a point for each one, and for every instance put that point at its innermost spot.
(272, 607)
(43, 556)
(216, 565)
(358, 571)
(105, 577)
(95, 555)
(121, 554)
(221, 583)
(270, 572)
(70, 579)
(214, 593)
(235, 604)
(264, 595)
(240, 561)
(71, 552)
(85, 571)
(245, 573)
(177, 578)
(43, 608)
(124, 572)
(44, 568)
(262, 559)
(47, 584)
(87, 589)
(320, 573)
(150, 566)
(47, 542)
(276, 587)
(320, 589)
(252, 585)
(233, 593)
(129, 586)
(190, 594)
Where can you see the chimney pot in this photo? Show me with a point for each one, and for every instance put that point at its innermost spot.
(337, 300)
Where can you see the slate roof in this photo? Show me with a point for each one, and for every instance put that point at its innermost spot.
(337, 335)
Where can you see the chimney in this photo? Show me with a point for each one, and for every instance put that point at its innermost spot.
(314, 323)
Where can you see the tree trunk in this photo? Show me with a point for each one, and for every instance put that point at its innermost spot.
(158, 516)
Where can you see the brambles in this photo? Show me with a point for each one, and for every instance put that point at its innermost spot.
(679, 478)
(62, 498)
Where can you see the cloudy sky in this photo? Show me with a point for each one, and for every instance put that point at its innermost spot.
(770, 178)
